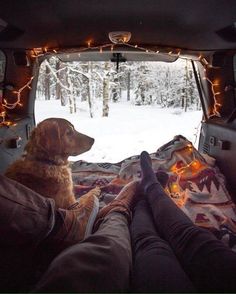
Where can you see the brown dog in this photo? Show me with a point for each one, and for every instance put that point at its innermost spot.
(44, 168)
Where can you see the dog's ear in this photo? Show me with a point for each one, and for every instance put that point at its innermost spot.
(48, 137)
(45, 138)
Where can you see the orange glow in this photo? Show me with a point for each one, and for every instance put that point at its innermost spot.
(7, 105)
(175, 188)
(89, 42)
(217, 105)
(196, 164)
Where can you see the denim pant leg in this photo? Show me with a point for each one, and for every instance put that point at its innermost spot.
(156, 268)
(100, 263)
(207, 261)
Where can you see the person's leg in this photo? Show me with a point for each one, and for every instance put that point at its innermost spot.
(30, 227)
(208, 262)
(25, 220)
(102, 262)
(156, 268)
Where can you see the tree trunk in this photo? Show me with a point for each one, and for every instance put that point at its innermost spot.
(58, 86)
(128, 86)
(72, 105)
(90, 89)
(186, 87)
(63, 79)
(47, 83)
(105, 109)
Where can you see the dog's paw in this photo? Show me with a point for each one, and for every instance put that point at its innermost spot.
(96, 192)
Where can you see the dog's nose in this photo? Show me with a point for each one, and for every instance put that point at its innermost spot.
(92, 140)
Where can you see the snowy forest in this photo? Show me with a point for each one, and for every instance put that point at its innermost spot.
(169, 85)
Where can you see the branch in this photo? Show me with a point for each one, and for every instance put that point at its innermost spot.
(55, 76)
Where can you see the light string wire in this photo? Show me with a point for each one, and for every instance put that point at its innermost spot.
(38, 52)
(7, 105)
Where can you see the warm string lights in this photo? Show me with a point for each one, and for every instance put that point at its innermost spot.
(7, 105)
(215, 93)
(122, 40)
(180, 169)
(38, 52)
(214, 85)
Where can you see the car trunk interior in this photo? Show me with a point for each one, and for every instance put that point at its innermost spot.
(203, 31)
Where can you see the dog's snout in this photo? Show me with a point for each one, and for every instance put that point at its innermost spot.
(92, 140)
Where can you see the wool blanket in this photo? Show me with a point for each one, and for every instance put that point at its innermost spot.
(195, 184)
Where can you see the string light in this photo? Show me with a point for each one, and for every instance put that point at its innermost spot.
(215, 93)
(215, 110)
(195, 164)
(36, 52)
(89, 44)
(7, 105)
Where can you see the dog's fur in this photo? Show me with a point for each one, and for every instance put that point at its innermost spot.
(44, 167)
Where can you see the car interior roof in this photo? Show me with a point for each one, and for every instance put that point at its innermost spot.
(186, 24)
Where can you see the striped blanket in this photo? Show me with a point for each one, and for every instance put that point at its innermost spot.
(195, 184)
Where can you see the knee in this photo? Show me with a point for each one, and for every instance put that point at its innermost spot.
(150, 242)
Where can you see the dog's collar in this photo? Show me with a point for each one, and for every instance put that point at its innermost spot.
(46, 161)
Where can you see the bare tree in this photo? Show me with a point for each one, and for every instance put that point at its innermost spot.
(47, 83)
(105, 110)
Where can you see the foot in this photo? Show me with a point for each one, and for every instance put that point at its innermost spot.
(86, 212)
(123, 203)
(148, 176)
(76, 223)
(162, 177)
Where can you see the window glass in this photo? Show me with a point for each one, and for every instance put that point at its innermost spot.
(140, 107)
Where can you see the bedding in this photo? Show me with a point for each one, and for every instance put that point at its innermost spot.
(195, 184)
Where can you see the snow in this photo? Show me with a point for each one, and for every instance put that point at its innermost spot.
(127, 131)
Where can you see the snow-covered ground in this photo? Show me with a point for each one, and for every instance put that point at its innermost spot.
(127, 131)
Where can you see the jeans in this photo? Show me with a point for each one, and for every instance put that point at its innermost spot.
(100, 263)
(171, 254)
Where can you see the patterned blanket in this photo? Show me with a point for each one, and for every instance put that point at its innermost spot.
(195, 184)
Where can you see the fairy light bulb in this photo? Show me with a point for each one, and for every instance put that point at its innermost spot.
(174, 187)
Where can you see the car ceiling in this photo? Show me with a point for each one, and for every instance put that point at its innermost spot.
(186, 24)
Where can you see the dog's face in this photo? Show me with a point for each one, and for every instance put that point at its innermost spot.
(58, 137)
